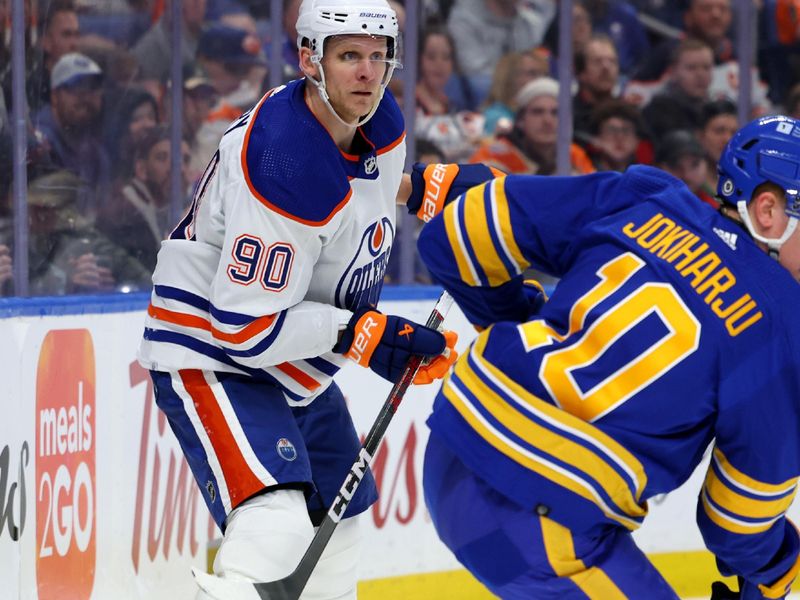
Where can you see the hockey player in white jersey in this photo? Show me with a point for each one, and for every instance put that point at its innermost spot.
(261, 290)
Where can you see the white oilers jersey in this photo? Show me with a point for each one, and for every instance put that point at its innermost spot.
(286, 235)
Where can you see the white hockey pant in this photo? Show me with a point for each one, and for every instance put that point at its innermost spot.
(267, 535)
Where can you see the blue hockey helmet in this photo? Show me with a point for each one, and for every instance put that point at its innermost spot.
(765, 150)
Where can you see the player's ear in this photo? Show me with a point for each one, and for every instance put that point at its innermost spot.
(307, 66)
(767, 207)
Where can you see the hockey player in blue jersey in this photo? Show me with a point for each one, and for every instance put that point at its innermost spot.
(672, 326)
(269, 284)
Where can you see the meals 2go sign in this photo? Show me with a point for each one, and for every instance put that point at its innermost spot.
(65, 466)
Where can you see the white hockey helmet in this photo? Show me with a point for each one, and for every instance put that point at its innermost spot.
(320, 19)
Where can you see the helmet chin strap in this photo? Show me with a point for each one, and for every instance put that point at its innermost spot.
(323, 93)
(773, 244)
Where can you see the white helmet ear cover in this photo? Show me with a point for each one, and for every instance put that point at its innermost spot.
(773, 244)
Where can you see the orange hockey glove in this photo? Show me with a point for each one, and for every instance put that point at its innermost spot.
(433, 186)
(385, 343)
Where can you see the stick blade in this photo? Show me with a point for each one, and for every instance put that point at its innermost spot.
(284, 589)
(217, 588)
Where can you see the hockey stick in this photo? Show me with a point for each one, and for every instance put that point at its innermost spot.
(291, 586)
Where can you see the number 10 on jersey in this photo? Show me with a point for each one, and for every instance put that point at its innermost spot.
(559, 365)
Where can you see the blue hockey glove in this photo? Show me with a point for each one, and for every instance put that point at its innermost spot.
(435, 185)
(385, 343)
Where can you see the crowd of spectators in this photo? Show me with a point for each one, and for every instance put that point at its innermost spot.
(654, 82)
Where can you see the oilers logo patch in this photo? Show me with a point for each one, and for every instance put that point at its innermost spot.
(362, 280)
(286, 449)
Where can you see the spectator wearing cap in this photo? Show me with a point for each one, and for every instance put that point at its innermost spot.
(154, 48)
(138, 218)
(199, 99)
(66, 253)
(513, 71)
(234, 64)
(531, 145)
(680, 154)
(68, 128)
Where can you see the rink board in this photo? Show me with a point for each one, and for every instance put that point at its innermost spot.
(97, 502)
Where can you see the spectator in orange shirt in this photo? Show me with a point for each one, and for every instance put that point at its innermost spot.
(531, 145)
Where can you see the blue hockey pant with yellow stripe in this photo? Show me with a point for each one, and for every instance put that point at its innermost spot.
(519, 554)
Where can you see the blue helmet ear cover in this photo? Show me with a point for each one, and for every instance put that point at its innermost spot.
(765, 150)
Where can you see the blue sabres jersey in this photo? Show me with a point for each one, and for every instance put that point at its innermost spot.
(668, 329)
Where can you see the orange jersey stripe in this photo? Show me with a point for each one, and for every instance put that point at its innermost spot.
(299, 376)
(242, 483)
(391, 146)
(184, 320)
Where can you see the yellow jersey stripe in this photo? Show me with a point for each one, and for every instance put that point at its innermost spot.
(529, 460)
(477, 228)
(781, 587)
(551, 443)
(560, 550)
(728, 523)
(452, 226)
(596, 584)
(502, 220)
(560, 418)
(735, 503)
(748, 484)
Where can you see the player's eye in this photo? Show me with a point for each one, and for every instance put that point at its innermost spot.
(350, 56)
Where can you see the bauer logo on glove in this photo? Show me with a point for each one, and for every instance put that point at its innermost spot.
(434, 186)
(385, 343)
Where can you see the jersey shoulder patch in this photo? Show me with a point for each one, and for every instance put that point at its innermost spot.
(386, 128)
(290, 163)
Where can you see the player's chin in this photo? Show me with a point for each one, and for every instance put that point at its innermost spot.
(362, 106)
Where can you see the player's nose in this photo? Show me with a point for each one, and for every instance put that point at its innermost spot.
(366, 70)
